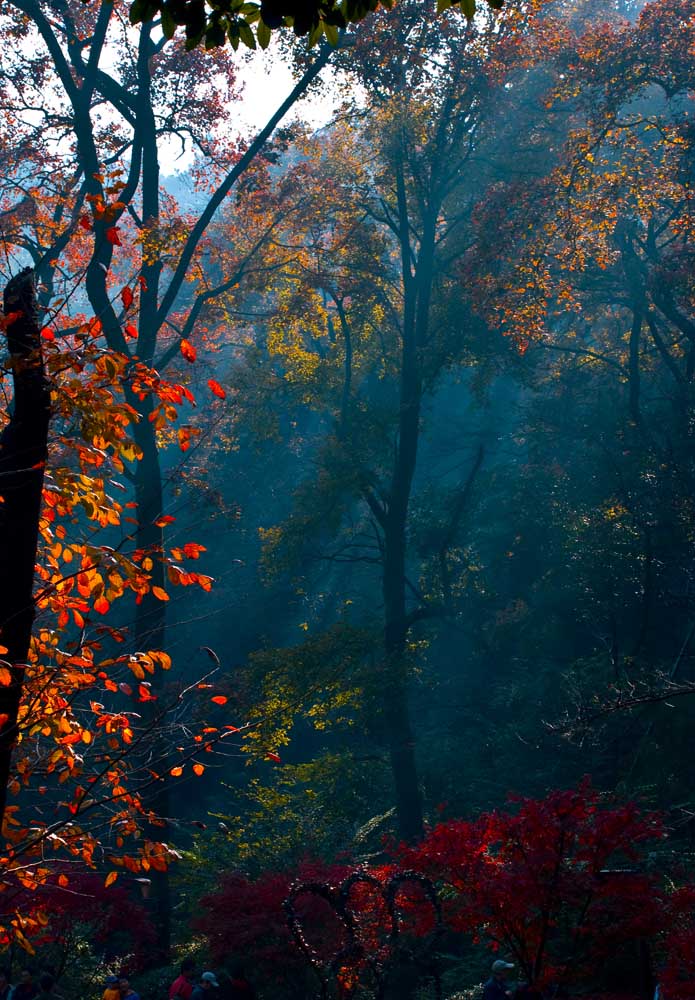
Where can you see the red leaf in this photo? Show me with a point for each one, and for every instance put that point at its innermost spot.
(273, 756)
(113, 236)
(188, 350)
(216, 389)
(219, 699)
(86, 223)
(126, 297)
(47, 334)
(130, 331)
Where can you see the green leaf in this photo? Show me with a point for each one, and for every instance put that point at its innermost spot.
(168, 23)
(315, 34)
(468, 8)
(246, 35)
(142, 10)
(331, 33)
(263, 34)
(214, 36)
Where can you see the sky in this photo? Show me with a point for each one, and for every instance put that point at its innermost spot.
(267, 81)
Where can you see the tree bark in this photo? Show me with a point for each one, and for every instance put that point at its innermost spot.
(417, 287)
(23, 450)
(150, 633)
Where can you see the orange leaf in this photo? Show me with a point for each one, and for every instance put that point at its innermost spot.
(188, 350)
(5, 677)
(63, 880)
(216, 389)
(160, 594)
(219, 699)
(184, 437)
(198, 769)
(101, 605)
(191, 549)
(176, 772)
(110, 879)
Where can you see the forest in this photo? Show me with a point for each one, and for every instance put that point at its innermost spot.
(347, 499)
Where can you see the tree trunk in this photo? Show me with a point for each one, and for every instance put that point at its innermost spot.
(23, 450)
(150, 633)
(396, 706)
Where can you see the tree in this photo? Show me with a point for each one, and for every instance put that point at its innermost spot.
(551, 884)
(108, 230)
(380, 267)
(23, 451)
(85, 768)
(593, 276)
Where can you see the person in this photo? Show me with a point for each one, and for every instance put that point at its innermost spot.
(207, 989)
(182, 986)
(46, 984)
(25, 988)
(112, 991)
(496, 986)
(239, 986)
(5, 987)
(125, 990)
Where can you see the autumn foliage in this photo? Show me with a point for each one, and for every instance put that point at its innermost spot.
(246, 920)
(558, 883)
(379, 267)
(558, 886)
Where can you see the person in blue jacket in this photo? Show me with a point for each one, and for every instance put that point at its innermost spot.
(496, 987)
